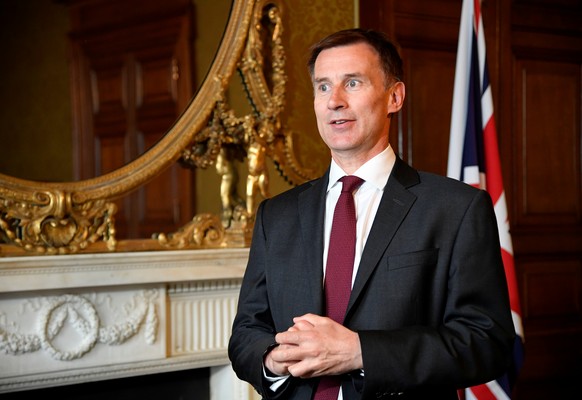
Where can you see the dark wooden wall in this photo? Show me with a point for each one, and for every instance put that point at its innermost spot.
(534, 50)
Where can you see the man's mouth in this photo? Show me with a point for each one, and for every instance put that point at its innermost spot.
(339, 121)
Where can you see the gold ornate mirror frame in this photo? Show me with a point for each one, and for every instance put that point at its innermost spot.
(73, 217)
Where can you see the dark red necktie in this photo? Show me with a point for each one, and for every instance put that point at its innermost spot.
(339, 268)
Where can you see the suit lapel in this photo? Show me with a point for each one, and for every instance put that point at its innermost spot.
(311, 207)
(394, 206)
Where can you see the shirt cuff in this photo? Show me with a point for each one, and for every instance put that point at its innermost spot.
(276, 381)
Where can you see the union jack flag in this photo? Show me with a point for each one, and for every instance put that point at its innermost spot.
(474, 159)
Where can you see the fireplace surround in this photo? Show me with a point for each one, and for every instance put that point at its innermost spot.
(90, 317)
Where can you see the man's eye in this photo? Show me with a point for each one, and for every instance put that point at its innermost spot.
(323, 87)
(353, 83)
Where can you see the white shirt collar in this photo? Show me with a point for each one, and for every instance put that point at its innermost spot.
(375, 171)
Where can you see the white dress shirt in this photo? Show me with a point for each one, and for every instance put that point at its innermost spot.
(367, 197)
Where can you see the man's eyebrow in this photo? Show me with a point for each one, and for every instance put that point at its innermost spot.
(344, 77)
(352, 75)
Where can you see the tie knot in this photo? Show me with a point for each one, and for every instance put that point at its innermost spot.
(351, 183)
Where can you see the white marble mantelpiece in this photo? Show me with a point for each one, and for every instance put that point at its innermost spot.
(79, 318)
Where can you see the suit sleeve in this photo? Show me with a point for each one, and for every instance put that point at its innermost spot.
(471, 342)
(253, 329)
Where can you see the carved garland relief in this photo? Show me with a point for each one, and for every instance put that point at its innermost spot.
(80, 313)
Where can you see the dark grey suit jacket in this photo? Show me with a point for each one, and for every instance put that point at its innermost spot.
(429, 301)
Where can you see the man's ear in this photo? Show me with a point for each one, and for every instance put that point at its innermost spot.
(396, 100)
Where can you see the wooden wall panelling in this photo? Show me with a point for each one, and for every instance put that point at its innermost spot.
(545, 41)
(548, 136)
(552, 312)
(429, 92)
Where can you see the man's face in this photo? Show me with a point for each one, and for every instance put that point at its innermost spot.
(352, 102)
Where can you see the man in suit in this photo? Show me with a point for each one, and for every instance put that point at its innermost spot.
(428, 311)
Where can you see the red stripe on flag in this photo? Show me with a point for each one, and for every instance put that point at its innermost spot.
(477, 12)
(482, 392)
(492, 162)
(509, 266)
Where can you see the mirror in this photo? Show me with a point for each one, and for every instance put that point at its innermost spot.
(36, 93)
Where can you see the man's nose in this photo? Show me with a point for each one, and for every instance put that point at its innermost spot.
(337, 99)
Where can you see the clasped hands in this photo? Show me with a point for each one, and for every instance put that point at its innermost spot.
(315, 346)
